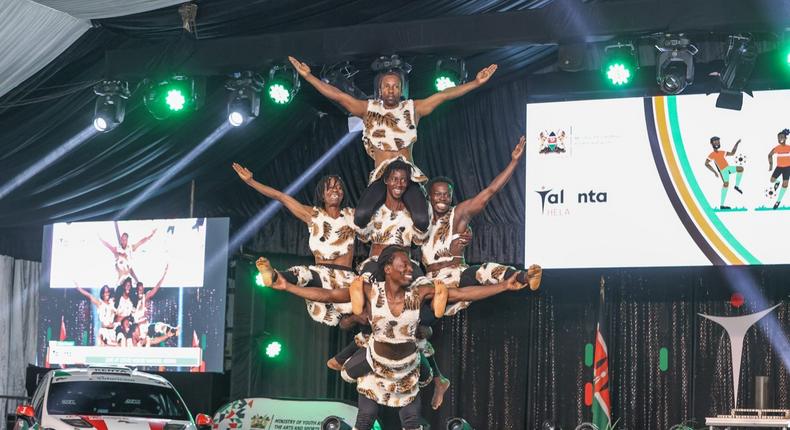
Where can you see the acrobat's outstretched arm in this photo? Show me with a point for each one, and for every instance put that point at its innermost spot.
(322, 295)
(108, 246)
(425, 106)
(303, 212)
(156, 288)
(355, 106)
(468, 209)
(480, 292)
(90, 297)
(164, 337)
(143, 240)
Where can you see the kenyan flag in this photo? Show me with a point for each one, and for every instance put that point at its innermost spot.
(601, 406)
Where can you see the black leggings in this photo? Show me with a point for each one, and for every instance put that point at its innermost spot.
(468, 277)
(375, 195)
(315, 280)
(292, 279)
(357, 366)
(368, 411)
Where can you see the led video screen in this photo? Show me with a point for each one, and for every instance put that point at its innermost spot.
(143, 293)
(659, 181)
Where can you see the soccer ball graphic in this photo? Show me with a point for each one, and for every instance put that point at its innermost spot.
(740, 159)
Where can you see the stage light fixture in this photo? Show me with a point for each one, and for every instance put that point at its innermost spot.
(283, 83)
(172, 96)
(110, 107)
(334, 423)
(244, 100)
(341, 76)
(273, 349)
(738, 68)
(450, 72)
(458, 424)
(619, 63)
(393, 63)
(674, 63)
(549, 425)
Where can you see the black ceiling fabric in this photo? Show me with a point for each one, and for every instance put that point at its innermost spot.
(101, 176)
(227, 18)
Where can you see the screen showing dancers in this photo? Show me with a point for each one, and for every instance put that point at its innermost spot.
(145, 293)
(659, 181)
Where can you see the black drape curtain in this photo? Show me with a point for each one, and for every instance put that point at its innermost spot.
(517, 360)
(262, 315)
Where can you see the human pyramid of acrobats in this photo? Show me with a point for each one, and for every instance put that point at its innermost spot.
(390, 296)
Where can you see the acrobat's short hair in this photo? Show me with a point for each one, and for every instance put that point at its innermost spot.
(396, 165)
(439, 180)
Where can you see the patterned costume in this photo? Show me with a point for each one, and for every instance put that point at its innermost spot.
(389, 228)
(140, 313)
(125, 307)
(107, 320)
(123, 263)
(330, 238)
(436, 249)
(390, 130)
(392, 383)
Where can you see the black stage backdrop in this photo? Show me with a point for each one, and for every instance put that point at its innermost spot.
(514, 360)
(517, 360)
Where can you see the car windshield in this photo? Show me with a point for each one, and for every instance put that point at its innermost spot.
(115, 398)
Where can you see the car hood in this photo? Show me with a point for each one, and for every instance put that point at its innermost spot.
(100, 422)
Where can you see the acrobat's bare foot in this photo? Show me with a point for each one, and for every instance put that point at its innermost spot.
(334, 364)
(440, 386)
(266, 271)
(440, 296)
(534, 275)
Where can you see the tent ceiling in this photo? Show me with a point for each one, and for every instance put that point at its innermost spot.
(99, 177)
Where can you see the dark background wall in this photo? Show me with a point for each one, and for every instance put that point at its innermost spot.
(518, 359)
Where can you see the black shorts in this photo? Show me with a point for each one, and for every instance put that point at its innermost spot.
(784, 171)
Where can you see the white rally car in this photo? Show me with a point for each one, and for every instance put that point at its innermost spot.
(107, 398)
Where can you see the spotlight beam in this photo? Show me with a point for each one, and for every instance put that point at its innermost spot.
(263, 216)
(742, 282)
(156, 186)
(48, 159)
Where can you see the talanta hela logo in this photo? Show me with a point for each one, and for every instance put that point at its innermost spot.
(553, 201)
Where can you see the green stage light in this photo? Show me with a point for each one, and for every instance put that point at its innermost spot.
(279, 93)
(619, 63)
(173, 96)
(175, 100)
(618, 73)
(445, 82)
(283, 83)
(273, 349)
(450, 72)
